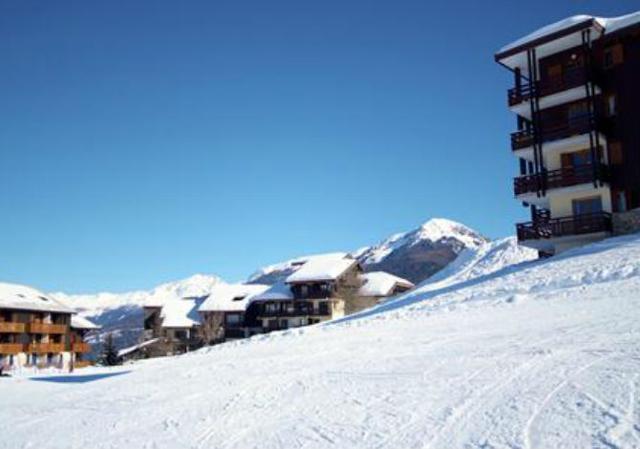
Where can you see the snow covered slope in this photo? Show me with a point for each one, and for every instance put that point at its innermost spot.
(121, 313)
(543, 354)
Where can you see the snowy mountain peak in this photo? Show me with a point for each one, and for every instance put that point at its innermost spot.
(442, 228)
(433, 231)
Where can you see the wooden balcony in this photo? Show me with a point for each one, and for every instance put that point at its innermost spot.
(81, 363)
(564, 226)
(46, 328)
(11, 348)
(45, 348)
(581, 124)
(81, 347)
(301, 310)
(564, 177)
(12, 328)
(568, 80)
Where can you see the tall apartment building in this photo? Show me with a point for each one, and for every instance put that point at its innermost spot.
(576, 97)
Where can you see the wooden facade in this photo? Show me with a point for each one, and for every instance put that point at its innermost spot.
(42, 339)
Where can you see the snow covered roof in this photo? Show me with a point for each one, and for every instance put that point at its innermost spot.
(279, 291)
(231, 297)
(381, 283)
(21, 297)
(180, 312)
(567, 26)
(325, 267)
(78, 322)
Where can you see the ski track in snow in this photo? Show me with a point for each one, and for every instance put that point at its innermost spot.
(540, 355)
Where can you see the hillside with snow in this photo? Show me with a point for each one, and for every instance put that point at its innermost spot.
(526, 353)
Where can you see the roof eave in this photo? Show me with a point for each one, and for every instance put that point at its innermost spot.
(592, 22)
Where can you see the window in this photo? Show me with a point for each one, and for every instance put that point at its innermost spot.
(304, 291)
(238, 298)
(587, 206)
(232, 318)
(613, 56)
(615, 153)
(610, 106)
(576, 158)
(577, 111)
(621, 201)
(554, 71)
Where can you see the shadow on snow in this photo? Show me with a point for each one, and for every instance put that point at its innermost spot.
(73, 379)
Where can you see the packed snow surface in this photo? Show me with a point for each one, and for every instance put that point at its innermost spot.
(540, 354)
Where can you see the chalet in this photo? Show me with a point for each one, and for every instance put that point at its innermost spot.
(224, 313)
(81, 328)
(37, 331)
(376, 287)
(174, 323)
(322, 288)
(576, 98)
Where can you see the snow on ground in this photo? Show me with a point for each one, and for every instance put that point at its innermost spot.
(543, 354)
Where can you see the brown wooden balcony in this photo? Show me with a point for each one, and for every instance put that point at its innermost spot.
(581, 124)
(12, 328)
(11, 348)
(46, 328)
(44, 348)
(564, 177)
(81, 347)
(564, 226)
(568, 80)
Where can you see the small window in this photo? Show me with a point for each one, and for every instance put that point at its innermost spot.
(611, 106)
(238, 298)
(613, 56)
(615, 153)
(233, 318)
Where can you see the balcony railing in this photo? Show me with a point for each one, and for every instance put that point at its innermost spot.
(577, 125)
(568, 80)
(46, 328)
(565, 226)
(11, 348)
(12, 328)
(296, 312)
(44, 348)
(81, 347)
(564, 177)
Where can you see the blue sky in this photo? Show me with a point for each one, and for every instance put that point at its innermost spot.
(146, 141)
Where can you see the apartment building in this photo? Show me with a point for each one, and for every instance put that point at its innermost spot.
(576, 99)
(36, 331)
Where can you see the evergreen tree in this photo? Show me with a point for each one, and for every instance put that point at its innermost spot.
(109, 352)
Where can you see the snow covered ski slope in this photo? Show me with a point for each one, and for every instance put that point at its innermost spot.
(541, 354)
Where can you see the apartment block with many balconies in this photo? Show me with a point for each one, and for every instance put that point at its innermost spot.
(576, 98)
(36, 331)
